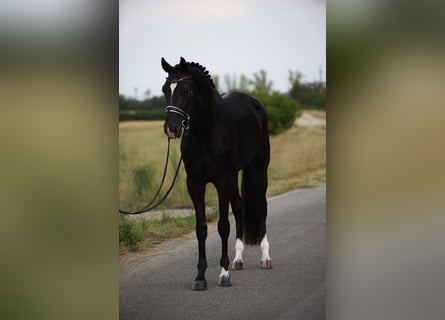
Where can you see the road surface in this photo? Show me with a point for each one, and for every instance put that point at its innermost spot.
(159, 287)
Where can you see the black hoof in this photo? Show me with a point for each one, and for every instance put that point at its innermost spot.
(224, 281)
(266, 264)
(237, 265)
(199, 285)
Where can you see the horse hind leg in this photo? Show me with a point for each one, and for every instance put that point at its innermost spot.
(237, 208)
(266, 261)
(238, 263)
(255, 204)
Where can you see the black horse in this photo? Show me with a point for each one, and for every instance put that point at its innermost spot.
(221, 135)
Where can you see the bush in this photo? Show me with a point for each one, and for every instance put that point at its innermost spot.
(132, 233)
(154, 114)
(143, 185)
(281, 111)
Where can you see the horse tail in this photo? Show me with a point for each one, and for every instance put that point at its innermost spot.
(253, 192)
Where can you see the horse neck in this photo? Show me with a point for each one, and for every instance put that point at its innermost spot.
(207, 125)
(204, 113)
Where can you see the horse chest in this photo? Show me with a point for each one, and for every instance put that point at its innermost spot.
(203, 164)
(202, 167)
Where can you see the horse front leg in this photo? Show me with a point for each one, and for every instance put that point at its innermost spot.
(196, 190)
(224, 279)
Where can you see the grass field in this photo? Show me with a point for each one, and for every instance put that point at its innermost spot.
(298, 159)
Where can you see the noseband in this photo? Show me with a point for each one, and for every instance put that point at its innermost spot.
(185, 121)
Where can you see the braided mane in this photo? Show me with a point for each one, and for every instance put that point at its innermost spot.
(203, 69)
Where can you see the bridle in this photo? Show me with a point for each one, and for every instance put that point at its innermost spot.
(185, 121)
(185, 117)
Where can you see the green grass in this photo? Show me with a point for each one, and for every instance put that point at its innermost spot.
(298, 159)
(140, 234)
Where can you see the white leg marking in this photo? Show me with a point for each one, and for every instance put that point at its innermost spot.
(264, 245)
(224, 273)
(239, 248)
(172, 89)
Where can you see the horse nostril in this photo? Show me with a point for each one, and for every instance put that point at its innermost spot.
(175, 131)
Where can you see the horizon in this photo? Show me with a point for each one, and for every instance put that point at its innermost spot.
(221, 87)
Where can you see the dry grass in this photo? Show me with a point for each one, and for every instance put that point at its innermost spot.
(298, 159)
(140, 234)
(143, 144)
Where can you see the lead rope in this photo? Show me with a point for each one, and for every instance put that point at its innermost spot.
(150, 205)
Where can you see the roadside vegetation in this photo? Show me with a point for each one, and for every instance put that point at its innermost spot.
(140, 234)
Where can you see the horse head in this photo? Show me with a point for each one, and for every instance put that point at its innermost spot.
(178, 90)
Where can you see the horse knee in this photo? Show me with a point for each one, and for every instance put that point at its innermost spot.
(223, 227)
(201, 231)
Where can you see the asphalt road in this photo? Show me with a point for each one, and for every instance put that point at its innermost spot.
(159, 287)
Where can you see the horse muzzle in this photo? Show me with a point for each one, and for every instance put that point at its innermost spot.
(172, 131)
(175, 121)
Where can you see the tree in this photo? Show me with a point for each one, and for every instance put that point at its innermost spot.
(260, 82)
(216, 82)
(123, 102)
(147, 93)
(310, 95)
(230, 81)
(244, 83)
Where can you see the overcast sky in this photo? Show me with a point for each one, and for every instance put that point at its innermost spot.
(227, 37)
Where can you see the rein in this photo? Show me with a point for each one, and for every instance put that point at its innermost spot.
(150, 206)
(185, 123)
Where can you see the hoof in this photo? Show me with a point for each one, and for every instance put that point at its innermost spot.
(266, 264)
(237, 265)
(224, 281)
(199, 285)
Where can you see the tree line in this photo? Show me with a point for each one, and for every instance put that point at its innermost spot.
(282, 108)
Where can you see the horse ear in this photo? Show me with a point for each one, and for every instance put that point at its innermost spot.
(183, 65)
(165, 65)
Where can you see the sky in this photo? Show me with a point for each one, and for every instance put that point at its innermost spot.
(231, 37)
